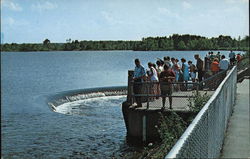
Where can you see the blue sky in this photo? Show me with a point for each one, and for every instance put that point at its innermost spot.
(32, 21)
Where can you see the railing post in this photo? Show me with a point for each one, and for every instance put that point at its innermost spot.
(147, 94)
(197, 88)
(130, 87)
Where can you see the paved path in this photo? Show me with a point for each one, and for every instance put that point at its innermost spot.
(237, 138)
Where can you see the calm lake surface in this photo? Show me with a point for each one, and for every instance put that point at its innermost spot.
(31, 130)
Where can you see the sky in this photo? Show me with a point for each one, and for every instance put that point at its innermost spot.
(32, 21)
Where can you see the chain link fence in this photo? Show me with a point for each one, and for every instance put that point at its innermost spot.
(204, 136)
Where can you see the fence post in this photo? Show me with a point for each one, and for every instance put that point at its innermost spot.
(130, 87)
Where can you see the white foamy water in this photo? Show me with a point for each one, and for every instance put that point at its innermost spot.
(85, 96)
(78, 107)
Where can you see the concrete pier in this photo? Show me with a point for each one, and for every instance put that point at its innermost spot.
(141, 123)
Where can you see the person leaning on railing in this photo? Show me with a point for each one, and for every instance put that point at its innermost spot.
(139, 77)
(166, 77)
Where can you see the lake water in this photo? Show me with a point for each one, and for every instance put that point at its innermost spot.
(31, 130)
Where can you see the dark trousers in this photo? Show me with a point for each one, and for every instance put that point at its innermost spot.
(200, 75)
(137, 90)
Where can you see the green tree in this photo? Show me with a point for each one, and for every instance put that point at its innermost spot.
(181, 46)
(46, 42)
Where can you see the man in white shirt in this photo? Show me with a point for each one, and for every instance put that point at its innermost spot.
(224, 63)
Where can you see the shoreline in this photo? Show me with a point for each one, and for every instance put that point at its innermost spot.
(123, 50)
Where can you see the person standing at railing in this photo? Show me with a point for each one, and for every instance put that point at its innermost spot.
(176, 68)
(153, 77)
(166, 77)
(215, 66)
(192, 70)
(172, 62)
(212, 56)
(207, 63)
(185, 71)
(232, 57)
(218, 56)
(200, 67)
(159, 67)
(214, 69)
(167, 61)
(238, 57)
(139, 77)
(224, 63)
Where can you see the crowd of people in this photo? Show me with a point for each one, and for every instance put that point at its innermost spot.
(170, 70)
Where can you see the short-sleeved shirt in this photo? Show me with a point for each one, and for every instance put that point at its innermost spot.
(168, 73)
(139, 71)
(231, 55)
(238, 57)
(166, 86)
(215, 66)
(224, 63)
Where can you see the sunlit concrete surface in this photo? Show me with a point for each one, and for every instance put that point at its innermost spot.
(237, 140)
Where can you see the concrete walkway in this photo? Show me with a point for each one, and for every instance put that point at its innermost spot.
(237, 138)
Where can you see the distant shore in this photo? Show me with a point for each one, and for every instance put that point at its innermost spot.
(126, 50)
(172, 43)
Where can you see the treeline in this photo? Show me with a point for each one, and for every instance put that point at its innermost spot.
(174, 42)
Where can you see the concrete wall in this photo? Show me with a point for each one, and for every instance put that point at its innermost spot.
(141, 123)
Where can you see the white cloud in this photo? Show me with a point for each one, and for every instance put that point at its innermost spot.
(11, 5)
(186, 5)
(44, 6)
(110, 19)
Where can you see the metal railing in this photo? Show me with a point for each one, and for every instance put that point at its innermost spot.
(204, 136)
(149, 97)
(181, 91)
